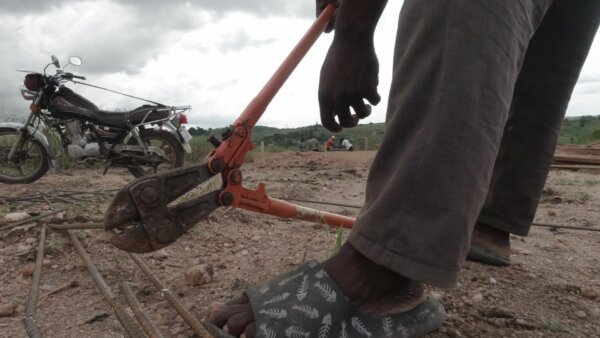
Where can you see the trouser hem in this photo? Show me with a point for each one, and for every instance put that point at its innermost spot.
(404, 266)
(501, 224)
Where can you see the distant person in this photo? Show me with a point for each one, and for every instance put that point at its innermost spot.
(312, 144)
(330, 143)
(302, 145)
(346, 144)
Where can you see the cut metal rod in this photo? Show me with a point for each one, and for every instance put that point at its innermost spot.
(173, 300)
(139, 313)
(30, 219)
(62, 199)
(69, 285)
(48, 201)
(558, 226)
(575, 167)
(29, 320)
(129, 324)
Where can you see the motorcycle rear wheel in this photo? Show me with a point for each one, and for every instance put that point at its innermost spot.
(167, 142)
(31, 161)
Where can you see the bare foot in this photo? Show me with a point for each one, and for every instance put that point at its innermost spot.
(373, 288)
(491, 239)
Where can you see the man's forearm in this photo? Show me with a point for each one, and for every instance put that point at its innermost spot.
(358, 18)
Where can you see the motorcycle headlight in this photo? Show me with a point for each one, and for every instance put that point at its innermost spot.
(34, 82)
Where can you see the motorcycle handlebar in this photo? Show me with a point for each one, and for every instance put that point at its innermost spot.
(71, 76)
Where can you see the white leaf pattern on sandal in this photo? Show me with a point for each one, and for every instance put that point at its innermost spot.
(307, 310)
(326, 291)
(360, 327)
(274, 313)
(296, 332)
(343, 332)
(277, 299)
(302, 289)
(269, 333)
(264, 288)
(290, 278)
(320, 274)
(387, 325)
(402, 331)
(326, 327)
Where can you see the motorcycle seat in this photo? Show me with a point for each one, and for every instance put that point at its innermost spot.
(136, 116)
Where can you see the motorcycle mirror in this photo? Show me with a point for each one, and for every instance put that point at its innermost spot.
(55, 61)
(75, 60)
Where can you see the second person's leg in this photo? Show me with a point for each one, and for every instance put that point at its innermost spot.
(550, 70)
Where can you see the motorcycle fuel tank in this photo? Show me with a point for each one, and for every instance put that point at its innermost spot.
(65, 103)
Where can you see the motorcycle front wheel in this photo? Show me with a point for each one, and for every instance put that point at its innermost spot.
(29, 163)
(171, 152)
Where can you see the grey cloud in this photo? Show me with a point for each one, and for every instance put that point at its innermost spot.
(240, 40)
(587, 90)
(221, 86)
(588, 78)
(29, 6)
(104, 46)
(261, 7)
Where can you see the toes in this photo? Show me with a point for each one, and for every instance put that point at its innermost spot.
(236, 324)
(213, 308)
(249, 331)
(220, 317)
(243, 299)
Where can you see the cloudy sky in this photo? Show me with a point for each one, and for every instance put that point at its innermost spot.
(212, 54)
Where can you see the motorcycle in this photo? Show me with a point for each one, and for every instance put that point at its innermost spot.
(145, 140)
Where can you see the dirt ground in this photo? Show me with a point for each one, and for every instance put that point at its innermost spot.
(551, 290)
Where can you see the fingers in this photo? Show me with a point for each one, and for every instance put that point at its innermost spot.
(321, 4)
(249, 331)
(344, 116)
(328, 113)
(342, 110)
(331, 24)
(361, 109)
(373, 96)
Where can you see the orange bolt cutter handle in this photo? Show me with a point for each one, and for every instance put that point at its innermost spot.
(233, 150)
(256, 108)
(258, 201)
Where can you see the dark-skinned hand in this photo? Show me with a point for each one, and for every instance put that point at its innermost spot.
(321, 4)
(349, 75)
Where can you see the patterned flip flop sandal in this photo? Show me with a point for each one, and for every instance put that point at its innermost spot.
(306, 303)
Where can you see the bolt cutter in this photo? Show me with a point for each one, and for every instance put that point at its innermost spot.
(140, 209)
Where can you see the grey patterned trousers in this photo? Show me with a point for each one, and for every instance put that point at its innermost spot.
(479, 90)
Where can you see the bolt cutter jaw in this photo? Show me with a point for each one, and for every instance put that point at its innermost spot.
(140, 209)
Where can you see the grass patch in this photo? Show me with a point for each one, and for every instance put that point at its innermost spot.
(81, 234)
(54, 245)
(568, 181)
(339, 239)
(558, 327)
(591, 182)
(583, 196)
